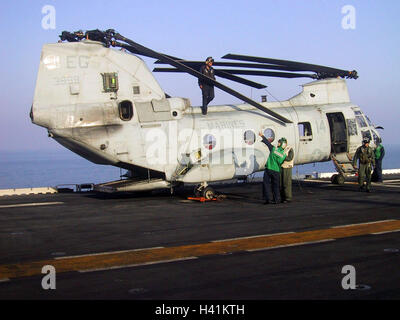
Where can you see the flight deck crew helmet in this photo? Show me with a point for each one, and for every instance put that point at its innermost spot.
(209, 59)
(282, 142)
(365, 141)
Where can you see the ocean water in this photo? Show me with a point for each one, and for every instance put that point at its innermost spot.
(28, 169)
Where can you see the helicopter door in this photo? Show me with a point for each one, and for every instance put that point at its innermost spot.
(306, 143)
(338, 130)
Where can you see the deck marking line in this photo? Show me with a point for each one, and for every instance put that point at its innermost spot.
(362, 223)
(155, 255)
(252, 237)
(290, 245)
(138, 265)
(34, 204)
(104, 253)
(384, 232)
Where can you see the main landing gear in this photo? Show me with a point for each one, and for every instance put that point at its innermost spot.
(204, 190)
(338, 179)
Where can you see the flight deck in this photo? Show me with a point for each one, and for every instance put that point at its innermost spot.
(156, 245)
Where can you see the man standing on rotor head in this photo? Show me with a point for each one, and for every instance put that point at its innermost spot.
(206, 87)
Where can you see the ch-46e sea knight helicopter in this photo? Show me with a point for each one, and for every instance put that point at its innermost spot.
(105, 105)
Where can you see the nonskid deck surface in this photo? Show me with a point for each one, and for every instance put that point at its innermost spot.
(158, 246)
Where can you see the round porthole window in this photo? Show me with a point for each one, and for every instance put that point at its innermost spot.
(249, 137)
(269, 134)
(209, 141)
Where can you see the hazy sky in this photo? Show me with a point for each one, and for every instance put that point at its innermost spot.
(308, 30)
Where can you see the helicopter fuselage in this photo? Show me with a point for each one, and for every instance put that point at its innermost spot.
(106, 106)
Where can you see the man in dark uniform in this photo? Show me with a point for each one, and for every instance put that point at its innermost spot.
(379, 154)
(271, 177)
(207, 88)
(366, 158)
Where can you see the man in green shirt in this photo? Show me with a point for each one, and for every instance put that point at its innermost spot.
(379, 154)
(271, 177)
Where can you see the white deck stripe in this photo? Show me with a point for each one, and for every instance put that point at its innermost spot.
(362, 223)
(290, 245)
(137, 264)
(383, 232)
(34, 204)
(251, 237)
(389, 186)
(104, 253)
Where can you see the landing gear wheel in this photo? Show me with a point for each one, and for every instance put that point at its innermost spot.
(209, 193)
(334, 179)
(340, 179)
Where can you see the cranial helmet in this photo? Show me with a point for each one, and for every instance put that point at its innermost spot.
(283, 142)
(209, 59)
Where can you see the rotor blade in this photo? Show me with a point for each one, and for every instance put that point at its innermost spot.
(232, 77)
(248, 72)
(151, 53)
(197, 64)
(221, 74)
(300, 65)
(269, 73)
(130, 48)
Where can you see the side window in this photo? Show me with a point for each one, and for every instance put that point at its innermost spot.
(136, 90)
(351, 127)
(110, 81)
(269, 134)
(209, 141)
(305, 132)
(249, 137)
(125, 109)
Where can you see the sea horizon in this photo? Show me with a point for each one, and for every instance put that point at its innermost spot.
(61, 167)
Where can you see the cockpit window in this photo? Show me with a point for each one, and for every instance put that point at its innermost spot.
(376, 138)
(361, 122)
(360, 119)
